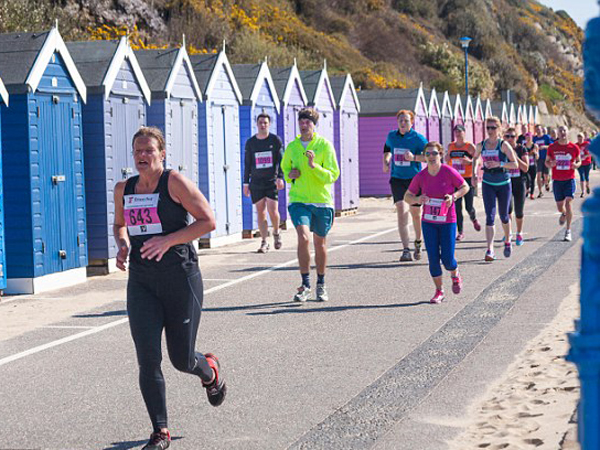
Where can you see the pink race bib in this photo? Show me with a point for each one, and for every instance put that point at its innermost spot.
(435, 210)
(563, 162)
(264, 160)
(489, 156)
(141, 214)
(458, 166)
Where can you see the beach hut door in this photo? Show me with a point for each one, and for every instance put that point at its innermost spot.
(124, 125)
(56, 148)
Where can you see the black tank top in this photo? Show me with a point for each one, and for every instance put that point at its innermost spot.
(142, 224)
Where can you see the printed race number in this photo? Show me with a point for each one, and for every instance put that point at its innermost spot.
(141, 214)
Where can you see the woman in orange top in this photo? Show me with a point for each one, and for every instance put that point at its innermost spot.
(460, 157)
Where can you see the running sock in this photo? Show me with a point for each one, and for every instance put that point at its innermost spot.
(305, 279)
(320, 279)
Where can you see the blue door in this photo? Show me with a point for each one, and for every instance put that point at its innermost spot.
(124, 125)
(57, 171)
(220, 171)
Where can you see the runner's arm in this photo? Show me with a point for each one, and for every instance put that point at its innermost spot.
(286, 164)
(247, 163)
(511, 155)
(120, 228)
(387, 158)
(329, 171)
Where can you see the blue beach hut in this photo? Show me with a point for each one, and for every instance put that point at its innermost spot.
(258, 95)
(346, 143)
(46, 238)
(320, 95)
(174, 108)
(292, 99)
(219, 146)
(118, 95)
(3, 102)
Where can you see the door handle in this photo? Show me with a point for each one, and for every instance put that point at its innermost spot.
(181, 167)
(226, 167)
(62, 254)
(58, 179)
(126, 171)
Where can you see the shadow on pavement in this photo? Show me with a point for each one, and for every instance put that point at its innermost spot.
(289, 304)
(103, 314)
(336, 308)
(126, 445)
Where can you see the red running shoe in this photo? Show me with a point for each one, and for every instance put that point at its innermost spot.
(158, 441)
(476, 225)
(216, 390)
(438, 297)
(457, 283)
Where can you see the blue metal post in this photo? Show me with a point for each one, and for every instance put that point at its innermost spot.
(466, 72)
(585, 341)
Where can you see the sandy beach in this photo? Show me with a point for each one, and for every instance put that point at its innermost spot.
(532, 404)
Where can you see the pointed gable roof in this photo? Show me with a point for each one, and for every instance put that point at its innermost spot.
(206, 69)
(458, 111)
(3, 93)
(500, 110)
(162, 67)
(468, 108)
(433, 102)
(512, 114)
(99, 63)
(314, 81)
(478, 110)
(445, 105)
(342, 86)
(284, 79)
(25, 56)
(250, 78)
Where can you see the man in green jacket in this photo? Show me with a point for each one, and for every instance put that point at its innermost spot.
(310, 165)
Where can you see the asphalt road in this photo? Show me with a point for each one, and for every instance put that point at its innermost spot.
(376, 367)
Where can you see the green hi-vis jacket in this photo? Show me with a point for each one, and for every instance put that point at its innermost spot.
(313, 185)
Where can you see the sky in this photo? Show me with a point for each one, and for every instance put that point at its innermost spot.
(580, 10)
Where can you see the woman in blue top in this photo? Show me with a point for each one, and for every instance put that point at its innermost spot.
(497, 157)
(402, 157)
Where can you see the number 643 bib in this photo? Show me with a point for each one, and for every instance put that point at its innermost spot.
(141, 214)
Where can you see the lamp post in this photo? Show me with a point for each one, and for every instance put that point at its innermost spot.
(464, 42)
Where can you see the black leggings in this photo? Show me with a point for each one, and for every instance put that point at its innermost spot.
(468, 205)
(518, 197)
(531, 174)
(169, 300)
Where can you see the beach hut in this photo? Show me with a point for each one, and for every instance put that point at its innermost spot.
(219, 145)
(346, 143)
(318, 91)
(434, 116)
(533, 118)
(446, 118)
(478, 121)
(377, 118)
(469, 119)
(500, 109)
(3, 103)
(116, 107)
(458, 111)
(487, 109)
(174, 107)
(258, 96)
(46, 238)
(512, 115)
(292, 99)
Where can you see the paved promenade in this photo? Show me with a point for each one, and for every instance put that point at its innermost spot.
(376, 367)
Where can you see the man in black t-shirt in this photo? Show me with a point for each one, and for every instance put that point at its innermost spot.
(263, 178)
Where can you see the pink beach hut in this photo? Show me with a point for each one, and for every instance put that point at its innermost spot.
(469, 119)
(512, 115)
(500, 110)
(458, 112)
(434, 116)
(377, 118)
(478, 122)
(446, 118)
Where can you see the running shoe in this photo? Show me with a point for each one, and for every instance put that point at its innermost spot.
(405, 255)
(303, 294)
(476, 225)
(568, 237)
(547, 188)
(460, 237)
(216, 390)
(457, 283)
(322, 295)
(418, 250)
(438, 297)
(264, 247)
(489, 256)
(277, 241)
(532, 197)
(587, 189)
(541, 194)
(158, 441)
(581, 196)
(519, 240)
(562, 219)
(507, 249)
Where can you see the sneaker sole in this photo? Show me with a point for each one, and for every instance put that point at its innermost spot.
(219, 400)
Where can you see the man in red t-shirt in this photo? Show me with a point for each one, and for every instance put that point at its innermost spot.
(563, 158)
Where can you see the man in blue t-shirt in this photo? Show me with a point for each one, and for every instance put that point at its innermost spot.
(543, 141)
(402, 157)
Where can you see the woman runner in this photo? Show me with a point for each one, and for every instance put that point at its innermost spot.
(532, 150)
(518, 179)
(437, 187)
(164, 290)
(586, 164)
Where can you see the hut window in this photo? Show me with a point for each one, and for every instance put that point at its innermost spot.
(124, 84)
(54, 82)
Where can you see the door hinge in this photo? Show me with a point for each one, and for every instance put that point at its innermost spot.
(43, 247)
(225, 167)
(38, 111)
(58, 179)
(139, 113)
(227, 226)
(73, 112)
(78, 241)
(110, 111)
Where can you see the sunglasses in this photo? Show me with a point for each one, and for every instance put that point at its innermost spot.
(491, 128)
(434, 153)
(508, 136)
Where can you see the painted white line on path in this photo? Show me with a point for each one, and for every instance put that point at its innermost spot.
(67, 327)
(109, 325)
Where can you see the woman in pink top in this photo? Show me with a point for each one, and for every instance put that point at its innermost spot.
(437, 188)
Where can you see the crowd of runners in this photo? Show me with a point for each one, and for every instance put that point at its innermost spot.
(154, 236)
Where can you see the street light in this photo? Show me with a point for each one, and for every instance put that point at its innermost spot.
(464, 42)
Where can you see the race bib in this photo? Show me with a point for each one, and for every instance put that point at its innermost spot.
(489, 156)
(531, 160)
(514, 173)
(563, 162)
(459, 166)
(264, 160)
(400, 157)
(141, 214)
(435, 210)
